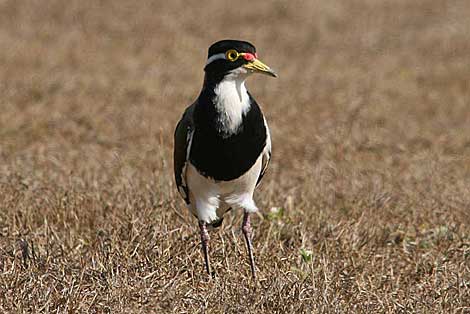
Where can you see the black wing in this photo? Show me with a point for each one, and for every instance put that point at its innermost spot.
(266, 154)
(183, 135)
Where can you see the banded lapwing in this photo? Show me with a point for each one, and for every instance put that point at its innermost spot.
(222, 142)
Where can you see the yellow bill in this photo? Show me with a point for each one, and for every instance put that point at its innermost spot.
(258, 66)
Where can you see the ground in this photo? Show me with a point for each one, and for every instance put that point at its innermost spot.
(365, 207)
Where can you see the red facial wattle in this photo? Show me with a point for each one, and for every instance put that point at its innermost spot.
(249, 56)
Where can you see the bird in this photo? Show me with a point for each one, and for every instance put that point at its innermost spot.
(222, 143)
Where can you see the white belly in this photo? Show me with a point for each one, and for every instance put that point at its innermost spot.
(209, 199)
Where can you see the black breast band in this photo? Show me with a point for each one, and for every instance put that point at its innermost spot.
(226, 158)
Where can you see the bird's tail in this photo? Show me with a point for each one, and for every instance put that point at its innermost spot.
(217, 223)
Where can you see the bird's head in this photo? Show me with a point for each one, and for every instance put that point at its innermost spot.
(236, 58)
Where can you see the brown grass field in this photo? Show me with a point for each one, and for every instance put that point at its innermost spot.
(370, 176)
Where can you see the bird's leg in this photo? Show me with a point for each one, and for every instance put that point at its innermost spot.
(247, 232)
(205, 243)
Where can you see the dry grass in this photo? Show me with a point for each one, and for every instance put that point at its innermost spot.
(370, 122)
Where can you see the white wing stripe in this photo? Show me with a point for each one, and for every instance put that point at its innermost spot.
(189, 140)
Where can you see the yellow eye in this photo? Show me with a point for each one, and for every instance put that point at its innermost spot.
(232, 55)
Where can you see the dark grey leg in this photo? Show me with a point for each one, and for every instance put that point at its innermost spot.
(205, 244)
(247, 231)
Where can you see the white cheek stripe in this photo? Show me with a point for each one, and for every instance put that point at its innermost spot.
(215, 57)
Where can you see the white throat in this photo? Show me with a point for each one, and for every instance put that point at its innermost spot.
(232, 102)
